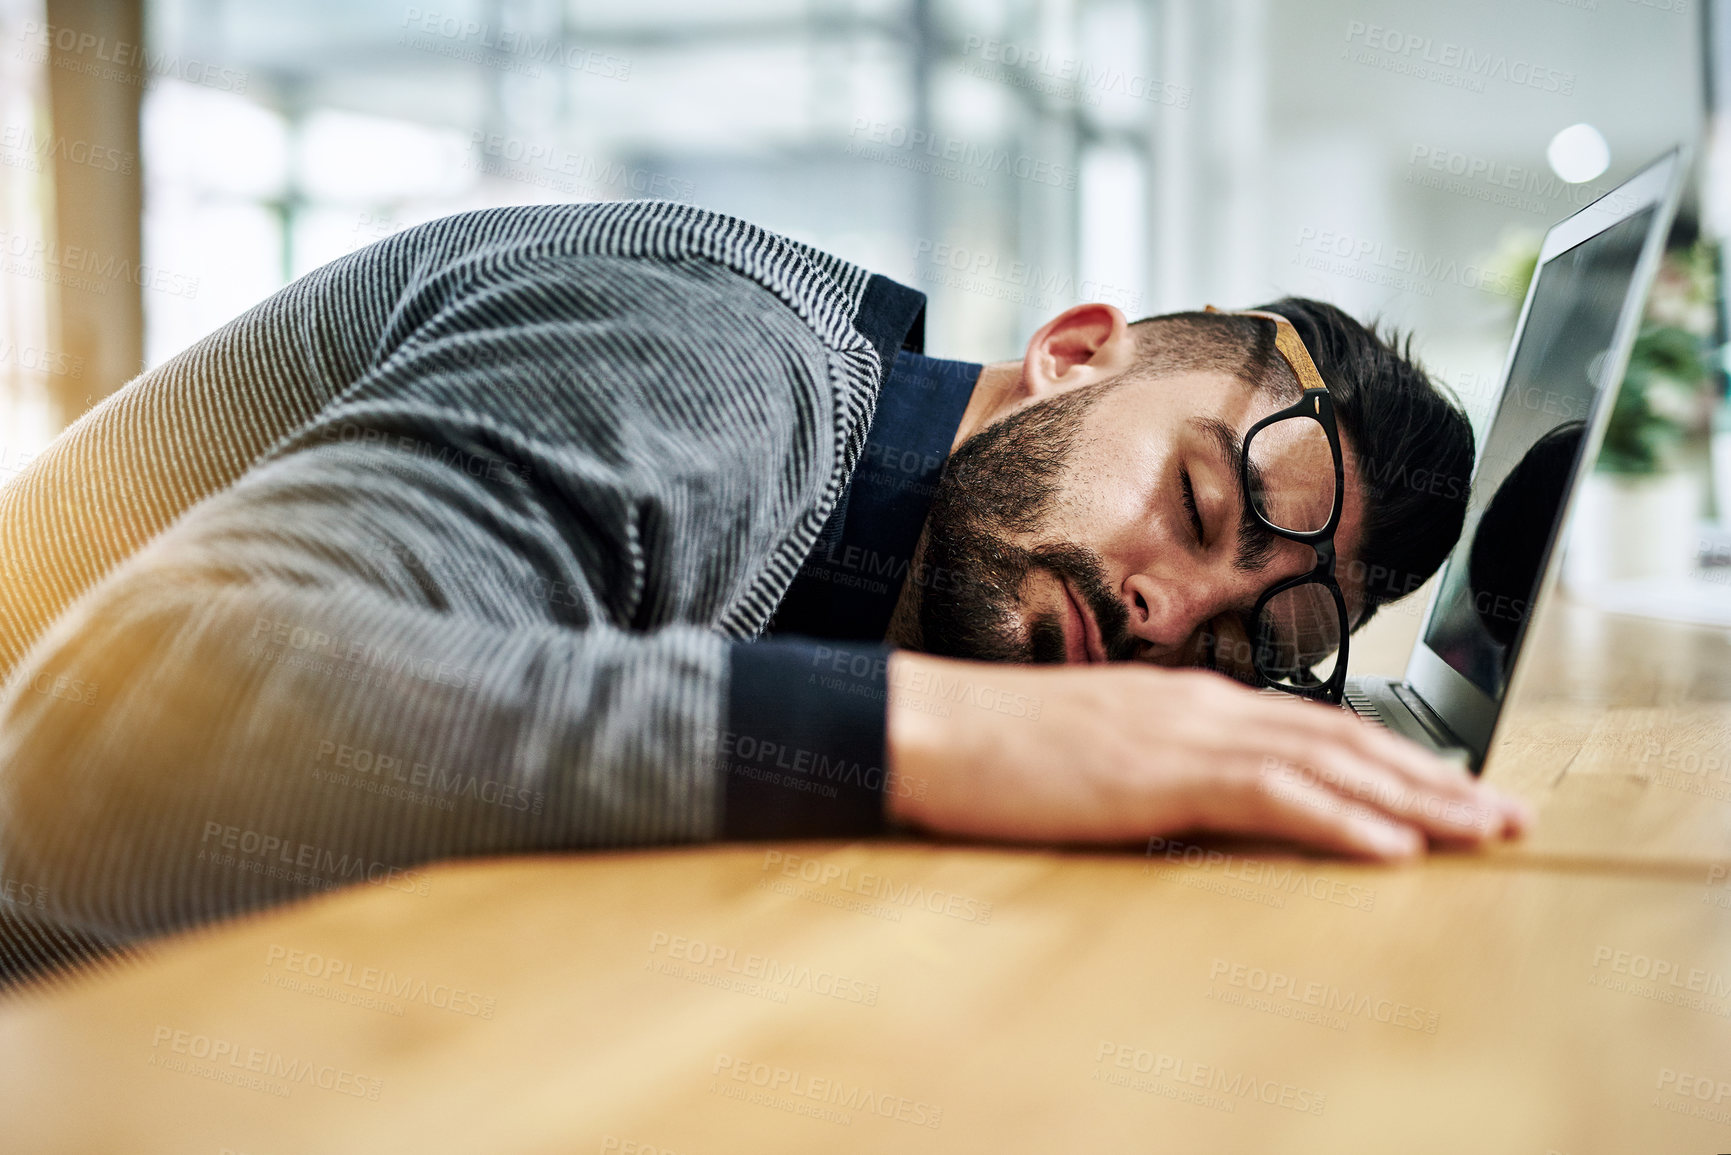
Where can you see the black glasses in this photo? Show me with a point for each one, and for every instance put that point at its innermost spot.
(1294, 484)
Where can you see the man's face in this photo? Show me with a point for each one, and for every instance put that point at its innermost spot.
(1107, 523)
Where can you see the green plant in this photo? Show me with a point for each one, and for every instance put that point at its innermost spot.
(1668, 367)
(1666, 371)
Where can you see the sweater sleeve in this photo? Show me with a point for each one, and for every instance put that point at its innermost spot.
(802, 754)
(479, 606)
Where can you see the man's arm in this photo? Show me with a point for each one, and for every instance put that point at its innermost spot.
(483, 604)
(1113, 754)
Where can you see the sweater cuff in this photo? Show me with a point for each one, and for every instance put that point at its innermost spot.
(802, 753)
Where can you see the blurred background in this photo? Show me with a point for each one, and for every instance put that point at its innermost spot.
(164, 165)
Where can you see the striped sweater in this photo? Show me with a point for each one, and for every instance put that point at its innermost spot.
(450, 547)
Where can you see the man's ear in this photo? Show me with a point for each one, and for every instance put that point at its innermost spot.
(1080, 346)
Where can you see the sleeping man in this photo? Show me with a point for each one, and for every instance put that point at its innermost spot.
(584, 526)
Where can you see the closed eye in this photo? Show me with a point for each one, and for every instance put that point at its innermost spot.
(1190, 504)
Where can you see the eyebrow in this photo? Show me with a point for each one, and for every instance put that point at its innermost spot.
(1255, 543)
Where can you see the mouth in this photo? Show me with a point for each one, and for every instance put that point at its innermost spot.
(1081, 631)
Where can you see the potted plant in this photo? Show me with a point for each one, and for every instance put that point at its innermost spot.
(1638, 511)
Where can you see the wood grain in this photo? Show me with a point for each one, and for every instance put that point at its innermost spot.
(1569, 995)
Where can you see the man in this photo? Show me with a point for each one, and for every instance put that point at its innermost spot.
(471, 543)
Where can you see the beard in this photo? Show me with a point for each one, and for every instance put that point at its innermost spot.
(1004, 481)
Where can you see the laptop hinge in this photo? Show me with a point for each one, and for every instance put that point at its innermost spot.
(1427, 717)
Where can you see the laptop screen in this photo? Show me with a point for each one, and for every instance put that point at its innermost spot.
(1531, 453)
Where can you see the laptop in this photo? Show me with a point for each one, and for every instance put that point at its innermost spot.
(1570, 349)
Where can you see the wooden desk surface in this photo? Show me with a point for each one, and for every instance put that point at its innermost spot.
(1569, 995)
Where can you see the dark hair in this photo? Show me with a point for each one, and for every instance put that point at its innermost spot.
(1413, 443)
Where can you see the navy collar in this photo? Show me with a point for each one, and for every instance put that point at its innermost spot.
(892, 317)
(849, 584)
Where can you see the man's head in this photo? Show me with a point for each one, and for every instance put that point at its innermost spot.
(1092, 508)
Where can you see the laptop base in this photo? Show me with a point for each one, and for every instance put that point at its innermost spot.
(1395, 706)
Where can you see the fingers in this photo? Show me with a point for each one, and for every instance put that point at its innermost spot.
(1381, 770)
(1370, 787)
(1385, 746)
(1447, 777)
(1425, 774)
(1315, 816)
(1510, 816)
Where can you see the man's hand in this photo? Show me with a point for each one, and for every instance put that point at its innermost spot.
(1124, 752)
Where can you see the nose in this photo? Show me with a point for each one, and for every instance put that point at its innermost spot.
(1172, 600)
(1166, 612)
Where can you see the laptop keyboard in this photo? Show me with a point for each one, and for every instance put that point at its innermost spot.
(1361, 705)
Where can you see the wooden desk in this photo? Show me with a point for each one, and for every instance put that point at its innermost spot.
(1570, 995)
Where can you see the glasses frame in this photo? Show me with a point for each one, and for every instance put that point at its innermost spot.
(1315, 405)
